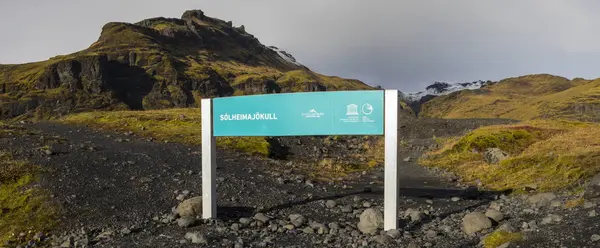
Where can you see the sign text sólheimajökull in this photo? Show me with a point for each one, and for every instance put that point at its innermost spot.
(298, 114)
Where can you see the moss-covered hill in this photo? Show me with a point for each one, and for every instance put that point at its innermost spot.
(540, 96)
(157, 63)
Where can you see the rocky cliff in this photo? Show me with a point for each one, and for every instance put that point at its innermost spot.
(157, 63)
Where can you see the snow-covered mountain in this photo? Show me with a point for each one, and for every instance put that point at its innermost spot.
(442, 88)
(285, 55)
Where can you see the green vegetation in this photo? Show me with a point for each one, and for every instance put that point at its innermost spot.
(550, 154)
(500, 237)
(522, 98)
(172, 125)
(25, 209)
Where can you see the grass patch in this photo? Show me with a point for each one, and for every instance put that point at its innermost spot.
(25, 209)
(172, 125)
(550, 154)
(522, 98)
(500, 237)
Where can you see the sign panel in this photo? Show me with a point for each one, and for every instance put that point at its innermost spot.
(299, 114)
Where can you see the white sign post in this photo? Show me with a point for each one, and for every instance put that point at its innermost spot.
(390, 130)
(209, 162)
(390, 185)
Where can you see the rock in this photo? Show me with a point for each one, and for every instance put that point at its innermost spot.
(308, 230)
(370, 220)
(69, 243)
(595, 238)
(551, 218)
(592, 188)
(592, 213)
(507, 227)
(415, 215)
(347, 209)
(431, 233)
(196, 238)
(330, 204)
(541, 199)
(125, 231)
(588, 204)
(412, 245)
(383, 239)
(261, 217)
(245, 221)
(321, 229)
(407, 159)
(394, 233)
(494, 215)
(297, 220)
(455, 199)
(475, 222)
(494, 155)
(186, 221)
(190, 207)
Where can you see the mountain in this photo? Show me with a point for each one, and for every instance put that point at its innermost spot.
(538, 96)
(443, 88)
(157, 63)
(415, 100)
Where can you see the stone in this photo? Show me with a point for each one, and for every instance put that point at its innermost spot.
(551, 218)
(541, 199)
(592, 188)
(595, 238)
(431, 233)
(415, 215)
(412, 245)
(297, 220)
(507, 227)
(347, 209)
(394, 233)
(196, 238)
(186, 221)
(330, 204)
(475, 222)
(494, 155)
(191, 207)
(308, 230)
(383, 239)
(370, 220)
(245, 221)
(261, 217)
(494, 215)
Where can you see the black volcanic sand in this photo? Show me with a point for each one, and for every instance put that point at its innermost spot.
(114, 181)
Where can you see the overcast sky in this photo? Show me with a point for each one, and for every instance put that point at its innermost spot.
(394, 43)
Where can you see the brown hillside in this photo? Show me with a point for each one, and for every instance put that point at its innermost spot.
(523, 98)
(157, 63)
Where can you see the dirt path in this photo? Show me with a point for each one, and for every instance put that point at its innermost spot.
(124, 187)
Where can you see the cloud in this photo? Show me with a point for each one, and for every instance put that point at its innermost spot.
(397, 44)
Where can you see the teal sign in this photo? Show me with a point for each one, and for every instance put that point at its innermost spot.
(300, 114)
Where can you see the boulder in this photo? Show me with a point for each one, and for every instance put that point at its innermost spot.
(191, 207)
(475, 222)
(370, 220)
(494, 155)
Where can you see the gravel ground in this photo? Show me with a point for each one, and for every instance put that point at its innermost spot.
(121, 190)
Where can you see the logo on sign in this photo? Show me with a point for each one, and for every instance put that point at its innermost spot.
(352, 109)
(312, 114)
(367, 109)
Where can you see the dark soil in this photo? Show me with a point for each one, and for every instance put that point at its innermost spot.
(112, 181)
